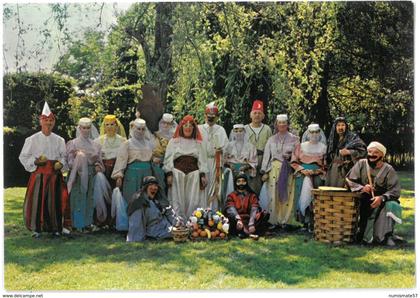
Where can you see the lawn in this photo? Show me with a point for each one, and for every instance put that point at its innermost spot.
(103, 261)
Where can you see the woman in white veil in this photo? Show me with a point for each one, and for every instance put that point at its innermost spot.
(84, 160)
(308, 163)
(134, 159)
(239, 156)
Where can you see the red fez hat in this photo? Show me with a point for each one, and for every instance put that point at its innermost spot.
(258, 105)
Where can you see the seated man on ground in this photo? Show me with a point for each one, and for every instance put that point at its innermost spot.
(380, 189)
(244, 212)
(150, 215)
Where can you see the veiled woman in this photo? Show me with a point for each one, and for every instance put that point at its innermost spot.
(84, 160)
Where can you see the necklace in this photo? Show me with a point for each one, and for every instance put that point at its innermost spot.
(110, 143)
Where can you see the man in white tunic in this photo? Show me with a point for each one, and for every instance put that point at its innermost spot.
(216, 141)
(258, 134)
(46, 206)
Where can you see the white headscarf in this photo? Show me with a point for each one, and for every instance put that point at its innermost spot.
(165, 132)
(141, 138)
(85, 122)
(378, 146)
(314, 144)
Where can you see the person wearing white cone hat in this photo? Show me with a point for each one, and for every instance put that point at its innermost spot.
(380, 189)
(85, 160)
(43, 155)
(277, 173)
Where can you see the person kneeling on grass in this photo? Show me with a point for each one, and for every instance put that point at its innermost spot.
(380, 190)
(243, 210)
(150, 215)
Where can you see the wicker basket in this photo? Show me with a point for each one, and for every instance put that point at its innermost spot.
(336, 215)
(180, 234)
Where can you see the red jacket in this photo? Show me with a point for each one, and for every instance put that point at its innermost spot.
(243, 204)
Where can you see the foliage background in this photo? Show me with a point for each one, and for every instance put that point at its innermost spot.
(312, 60)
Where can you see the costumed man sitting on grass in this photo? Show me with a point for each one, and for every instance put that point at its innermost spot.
(46, 206)
(150, 215)
(379, 204)
(244, 212)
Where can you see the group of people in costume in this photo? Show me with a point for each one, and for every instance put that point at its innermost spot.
(259, 178)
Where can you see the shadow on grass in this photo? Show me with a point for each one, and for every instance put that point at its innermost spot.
(290, 259)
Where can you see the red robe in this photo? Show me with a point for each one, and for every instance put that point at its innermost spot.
(46, 200)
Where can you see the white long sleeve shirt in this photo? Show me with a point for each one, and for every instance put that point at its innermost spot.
(52, 146)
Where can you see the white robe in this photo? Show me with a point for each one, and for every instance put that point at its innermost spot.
(185, 195)
(214, 137)
(52, 146)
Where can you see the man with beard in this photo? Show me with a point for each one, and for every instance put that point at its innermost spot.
(215, 140)
(46, 199)
(344, 148)
(243, 210)
(380, 189)
(150, 215)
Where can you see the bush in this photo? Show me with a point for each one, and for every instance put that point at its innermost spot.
(24, 95)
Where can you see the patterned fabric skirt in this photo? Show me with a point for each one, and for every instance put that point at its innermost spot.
(46, 207)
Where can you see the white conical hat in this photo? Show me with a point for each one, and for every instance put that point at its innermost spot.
(46, 110)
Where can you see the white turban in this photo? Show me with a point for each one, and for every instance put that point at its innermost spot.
(85, 121)
(139, 123)
(238, 126)
(167, 117)
(281, 117)
(378, 146)
(313, 127)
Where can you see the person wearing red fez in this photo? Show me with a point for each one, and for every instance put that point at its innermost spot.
(185, 165)
(46, 207)
(216, 141)
(258, 134)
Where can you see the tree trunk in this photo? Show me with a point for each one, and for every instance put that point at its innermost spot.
(163, 53)
(322, 109)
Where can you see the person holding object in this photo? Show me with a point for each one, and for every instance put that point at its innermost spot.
(215, 142)
(380, 188)
(185, 166)
(46, 207)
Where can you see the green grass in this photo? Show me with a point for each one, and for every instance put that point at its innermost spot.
(103, 261)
